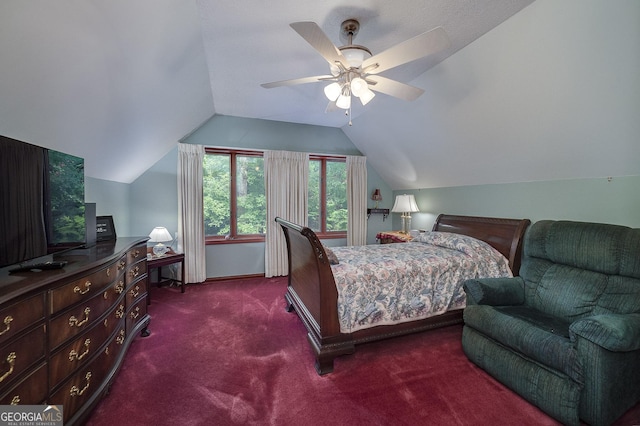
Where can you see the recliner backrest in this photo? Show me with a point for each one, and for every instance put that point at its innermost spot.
(576, 269)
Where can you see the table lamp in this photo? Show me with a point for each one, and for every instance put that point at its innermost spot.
(160, 235)
(405, 204)
(376, 196)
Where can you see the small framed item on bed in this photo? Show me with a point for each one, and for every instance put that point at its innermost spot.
(375, 292)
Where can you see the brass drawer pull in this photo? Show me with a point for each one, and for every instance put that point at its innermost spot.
(134, 272)
(119, 287)
(15, 400)
(11, 359)
(136, 253)
(7, 323)
(73, 355)
(75, 322)
(135, 291)
(75, 391)
(121, 265)
(77, 289)
(120, 311)
(135, 314)
(120, 338)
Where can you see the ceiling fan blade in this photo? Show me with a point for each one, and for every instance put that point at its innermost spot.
(394, 88)
(294, 81)
(313, 34)
(415, 48)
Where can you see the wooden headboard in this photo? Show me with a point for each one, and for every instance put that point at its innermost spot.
(505, 235)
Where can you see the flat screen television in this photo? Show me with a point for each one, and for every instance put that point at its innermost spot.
(42, 208)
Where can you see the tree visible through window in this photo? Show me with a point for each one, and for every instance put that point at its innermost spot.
(327, 199)
(234, 201)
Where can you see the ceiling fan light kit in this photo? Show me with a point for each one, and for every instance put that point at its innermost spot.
(354, 70)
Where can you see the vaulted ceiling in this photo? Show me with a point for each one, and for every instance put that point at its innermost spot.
(526, 91)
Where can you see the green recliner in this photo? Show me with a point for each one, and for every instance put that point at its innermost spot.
(565, 334)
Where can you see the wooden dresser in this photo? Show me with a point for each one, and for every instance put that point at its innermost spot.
(64, 333)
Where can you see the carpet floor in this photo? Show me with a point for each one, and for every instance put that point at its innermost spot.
(227, 353)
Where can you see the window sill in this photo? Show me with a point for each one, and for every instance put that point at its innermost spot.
(234, 240)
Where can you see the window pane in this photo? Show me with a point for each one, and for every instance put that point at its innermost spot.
(217, 194)
(250, 195)
(313, 197)
(336, 196)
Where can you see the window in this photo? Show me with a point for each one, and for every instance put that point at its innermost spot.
(327, 199)
(234, 199)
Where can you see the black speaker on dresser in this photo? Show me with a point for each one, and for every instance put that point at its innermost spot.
(90, 224)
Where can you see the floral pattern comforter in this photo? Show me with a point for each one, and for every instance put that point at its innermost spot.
(394, 283)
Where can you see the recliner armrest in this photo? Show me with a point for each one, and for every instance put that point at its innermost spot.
(614, 332)
(495, 291)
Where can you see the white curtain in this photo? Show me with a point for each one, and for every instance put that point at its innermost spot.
(190, 212)
(357, 200)
(286, 177)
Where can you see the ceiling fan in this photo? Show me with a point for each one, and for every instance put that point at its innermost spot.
(355, 71)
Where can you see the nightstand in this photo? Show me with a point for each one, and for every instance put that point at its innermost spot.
(157, 262)
(390, 237)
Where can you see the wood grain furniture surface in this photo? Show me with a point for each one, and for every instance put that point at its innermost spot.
(157, 262)
(312, 292)
(390, 237)
(64, 333)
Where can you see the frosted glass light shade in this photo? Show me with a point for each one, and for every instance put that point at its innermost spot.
(332, 91)
(358, 86)
(355, 56)
(366, 96)
(343, 101)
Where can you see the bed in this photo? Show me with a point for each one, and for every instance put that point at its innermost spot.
(312, 292)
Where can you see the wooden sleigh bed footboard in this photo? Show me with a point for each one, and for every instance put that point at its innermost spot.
(312, 292)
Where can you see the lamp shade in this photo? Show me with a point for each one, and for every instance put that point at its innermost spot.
(376, 196)
(160, 234)
(405, 203)
(366, 95)
(344, 101)
(332, 91)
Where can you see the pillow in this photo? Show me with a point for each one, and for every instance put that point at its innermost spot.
(333, 259)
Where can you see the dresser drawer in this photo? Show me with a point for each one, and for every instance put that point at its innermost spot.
(135, 272)
(77, 390)
(75, 354)
(137, 290)
(136, 313)
(16, 317)
(30, 391)
(136, 254)
(86, 287)
(17, 356)
(82, 316)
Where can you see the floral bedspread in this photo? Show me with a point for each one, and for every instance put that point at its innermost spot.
(394, 283)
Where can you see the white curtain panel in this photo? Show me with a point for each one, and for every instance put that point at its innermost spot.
(286, 177)
(357, 200)
(191, 240)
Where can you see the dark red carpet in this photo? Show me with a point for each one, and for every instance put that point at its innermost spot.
(228, 353)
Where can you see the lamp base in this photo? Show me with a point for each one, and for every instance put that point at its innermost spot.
(159, 249)
(406, 223)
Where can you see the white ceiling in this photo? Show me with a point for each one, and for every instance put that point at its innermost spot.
(250, 42)
(119, 82)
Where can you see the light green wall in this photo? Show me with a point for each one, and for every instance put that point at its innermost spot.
(112, 199)
(590, 200)
(152, 199)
